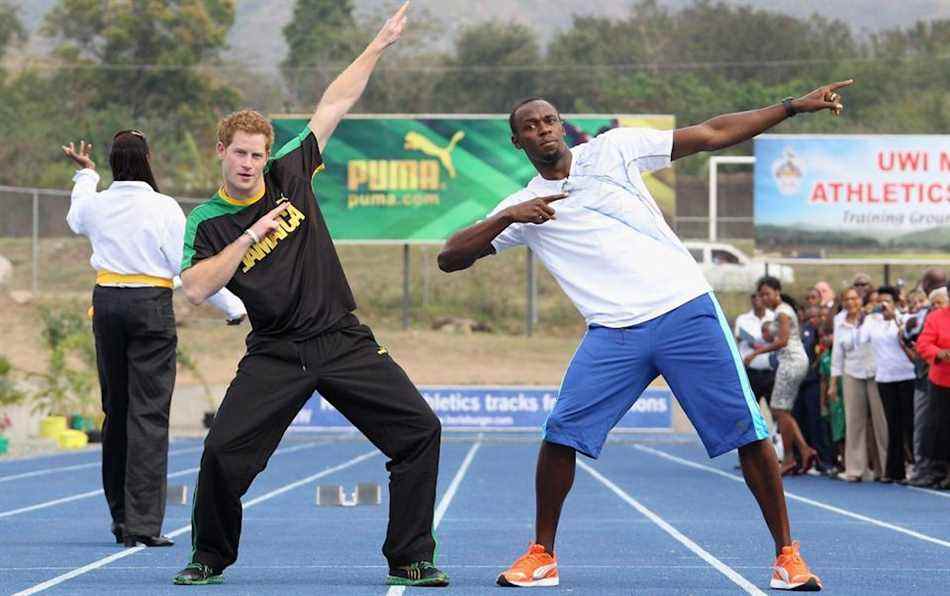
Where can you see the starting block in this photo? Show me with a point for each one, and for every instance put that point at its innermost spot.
(333, 495)
(176, 494)
(368, 493)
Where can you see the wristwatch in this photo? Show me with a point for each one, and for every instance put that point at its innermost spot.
(789, 108)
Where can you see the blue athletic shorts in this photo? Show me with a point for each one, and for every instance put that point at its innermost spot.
(692, 347)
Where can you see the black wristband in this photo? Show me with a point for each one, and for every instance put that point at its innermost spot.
(789, 108)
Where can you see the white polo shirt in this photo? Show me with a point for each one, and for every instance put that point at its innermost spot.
(749, 323)
(132, 229)
(849, 356)
(135, 231)
(610, 249)
(890, 361)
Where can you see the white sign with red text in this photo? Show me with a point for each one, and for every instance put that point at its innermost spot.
(856, 193)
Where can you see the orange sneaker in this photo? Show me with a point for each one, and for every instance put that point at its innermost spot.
(536, 568)
(790, 572)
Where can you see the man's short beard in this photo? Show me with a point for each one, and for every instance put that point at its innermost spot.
(550, 159)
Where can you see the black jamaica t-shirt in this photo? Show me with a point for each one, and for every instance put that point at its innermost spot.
(292, 283)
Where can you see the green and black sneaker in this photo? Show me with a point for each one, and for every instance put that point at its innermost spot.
(421, 574)
(198, 574)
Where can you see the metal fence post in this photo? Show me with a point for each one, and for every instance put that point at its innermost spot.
(405, 286)
(531, 316)
(426, 271)
(713, 199)
(36, 241)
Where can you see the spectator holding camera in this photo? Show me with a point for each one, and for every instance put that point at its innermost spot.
(853, 363)
(895, 376)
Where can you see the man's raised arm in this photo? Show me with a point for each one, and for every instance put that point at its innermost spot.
(474, 242)
(347, 88)
(729, 129)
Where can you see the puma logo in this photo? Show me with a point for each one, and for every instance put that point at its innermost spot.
(417, 142)
(543, 571)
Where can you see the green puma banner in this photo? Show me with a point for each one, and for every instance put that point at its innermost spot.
(420, 179)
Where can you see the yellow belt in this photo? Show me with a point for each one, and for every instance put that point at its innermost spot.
(108, 278)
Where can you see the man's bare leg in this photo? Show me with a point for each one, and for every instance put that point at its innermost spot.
(554, 478)
(761, 471)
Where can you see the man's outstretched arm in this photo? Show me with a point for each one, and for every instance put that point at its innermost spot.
(347, 88)
(729, 129)
(474, 242)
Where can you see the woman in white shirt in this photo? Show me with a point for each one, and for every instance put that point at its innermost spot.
(137, 237)
(895, 376)
(854, 362)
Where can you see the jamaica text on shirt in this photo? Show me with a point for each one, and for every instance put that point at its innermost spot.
(289, 221)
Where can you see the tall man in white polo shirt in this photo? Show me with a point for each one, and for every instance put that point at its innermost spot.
(591, 220)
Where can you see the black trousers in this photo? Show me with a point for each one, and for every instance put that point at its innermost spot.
(898, 400)
(274, 380)
(135, 354)
(761, 381)
(936, 443)
(807, 412)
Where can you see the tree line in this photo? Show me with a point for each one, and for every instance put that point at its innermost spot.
(166, 68)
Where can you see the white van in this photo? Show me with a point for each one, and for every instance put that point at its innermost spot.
(728, 269)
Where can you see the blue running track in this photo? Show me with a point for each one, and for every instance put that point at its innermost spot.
(653, 516)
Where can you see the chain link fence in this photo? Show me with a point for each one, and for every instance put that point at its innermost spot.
(48, 258)
(401, 284)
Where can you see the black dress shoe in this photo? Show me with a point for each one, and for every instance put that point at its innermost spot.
(118, 530)
(133, 540)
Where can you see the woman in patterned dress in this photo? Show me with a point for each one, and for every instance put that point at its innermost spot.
(792, 367)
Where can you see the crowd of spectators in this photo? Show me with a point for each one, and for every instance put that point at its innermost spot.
(857, 384)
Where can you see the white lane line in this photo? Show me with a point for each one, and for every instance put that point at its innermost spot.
(52, 503)
(703, 554)
(903, 571)
(446, 500)
(95, 464)
(91, 448)
(930, 491)
(93, 493)
(131, 551)
(806, 500)
(454, 486)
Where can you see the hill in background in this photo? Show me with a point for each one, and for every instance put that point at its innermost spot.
(546, 16)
